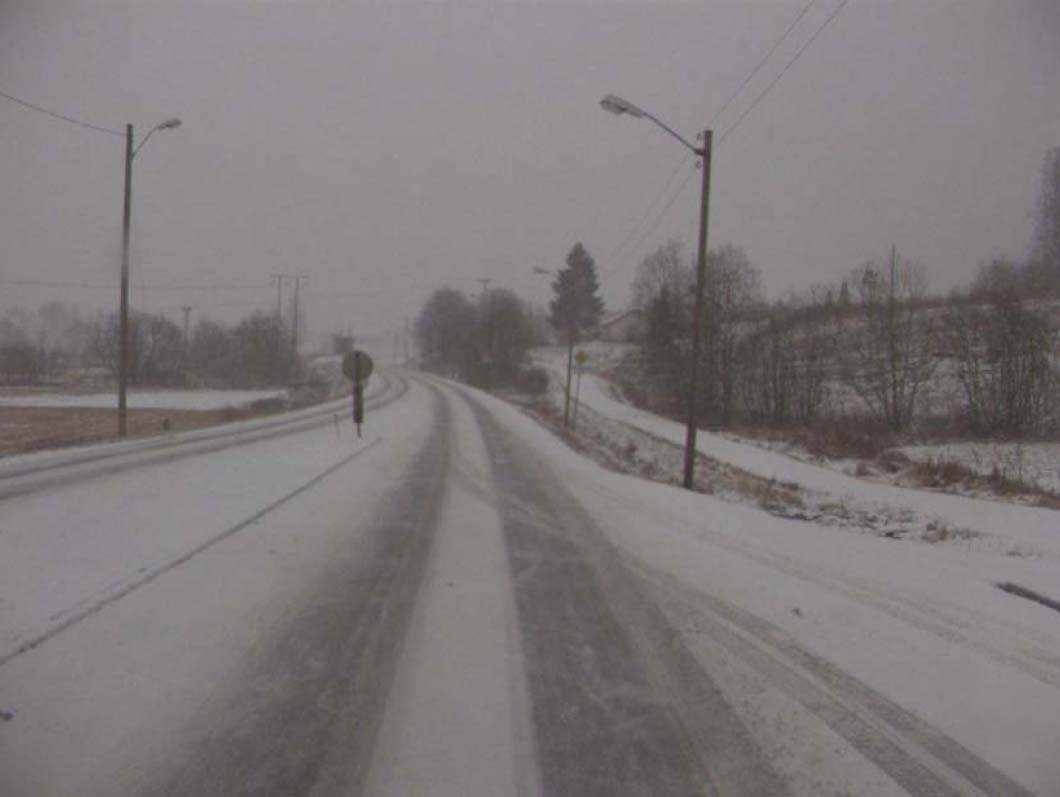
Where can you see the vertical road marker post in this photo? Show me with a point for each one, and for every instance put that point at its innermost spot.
(357, 366)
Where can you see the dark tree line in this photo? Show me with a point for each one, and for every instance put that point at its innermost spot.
(482, 342)
(874, 345)
(1005, 364)
(256, 352)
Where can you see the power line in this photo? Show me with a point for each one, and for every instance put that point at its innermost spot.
(761, 63)
(783, 72)
(684, 160)
(662, 215)
(635, 228)
(112, 285)
(62, 116)
(208, 287)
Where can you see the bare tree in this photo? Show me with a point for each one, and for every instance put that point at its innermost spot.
(445, 330)
(505, 335)
(260, 350)
(783, 362)
(157, 351)
(998, 276)
(732, 289)
(666, 345)
(1046, 251)
(889, 351)
(664, 269)
(766, 374)
(212, 354)
(1004, 364)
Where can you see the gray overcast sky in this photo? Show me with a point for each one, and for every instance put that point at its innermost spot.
(389, 148)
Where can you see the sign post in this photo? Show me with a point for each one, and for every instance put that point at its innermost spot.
(357, 366)
(581, 358)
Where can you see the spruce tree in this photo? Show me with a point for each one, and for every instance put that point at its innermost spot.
(576, 307)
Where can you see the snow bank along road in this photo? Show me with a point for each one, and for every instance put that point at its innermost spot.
(458, 605)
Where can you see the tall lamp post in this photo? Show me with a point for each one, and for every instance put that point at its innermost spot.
(123, 356)
(617, 105)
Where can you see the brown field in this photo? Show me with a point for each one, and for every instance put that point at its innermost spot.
(24, 429)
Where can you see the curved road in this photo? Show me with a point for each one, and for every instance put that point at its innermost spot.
(434, 609)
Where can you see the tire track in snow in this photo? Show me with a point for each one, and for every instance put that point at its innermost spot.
(86, 607)
(619, 704)
(187, 556)
(1025, 653)
(920, 758)
(917, 756)
(302, 716)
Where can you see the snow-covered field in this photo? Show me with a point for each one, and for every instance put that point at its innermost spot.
(1036, 464)
(145, 399)
(1033, 464)
(974, 524)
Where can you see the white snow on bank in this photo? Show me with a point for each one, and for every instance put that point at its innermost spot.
(922, 625)
(146, 399)
(1005, 528)
(1037, 464)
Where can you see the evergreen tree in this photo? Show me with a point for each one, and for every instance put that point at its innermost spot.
(576, 306)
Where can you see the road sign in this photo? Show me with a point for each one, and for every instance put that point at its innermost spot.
(357, 366)
(581, 357)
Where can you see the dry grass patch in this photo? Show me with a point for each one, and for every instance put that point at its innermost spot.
(26, 429)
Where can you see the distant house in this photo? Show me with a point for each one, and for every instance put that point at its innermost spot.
(627, 326)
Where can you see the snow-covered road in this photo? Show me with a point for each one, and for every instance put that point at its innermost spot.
(458, 604)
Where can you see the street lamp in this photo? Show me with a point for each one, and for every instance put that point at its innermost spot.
(619, 106)
(123, 356)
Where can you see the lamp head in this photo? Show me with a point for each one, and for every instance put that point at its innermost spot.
(619, 106)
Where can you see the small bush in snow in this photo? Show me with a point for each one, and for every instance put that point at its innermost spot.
(533, 381)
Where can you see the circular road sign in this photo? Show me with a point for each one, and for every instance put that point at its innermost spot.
(357, 366)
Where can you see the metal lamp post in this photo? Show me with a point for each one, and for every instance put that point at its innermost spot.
(123, 356)
(619, 106)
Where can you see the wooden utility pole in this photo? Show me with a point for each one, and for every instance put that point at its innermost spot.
(297, 278)
(892, 342)
(186, 309)
(697, 320)
(487, 296)
(279, 295)
(619, 106)
(123, 310)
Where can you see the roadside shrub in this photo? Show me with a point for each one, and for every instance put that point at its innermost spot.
(533, 381)
(849, 437)
(942, 473)
(21, 363)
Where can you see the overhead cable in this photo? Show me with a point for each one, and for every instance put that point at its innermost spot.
(784, 71)
(684, 160)
(761, 63)
(62, 116)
